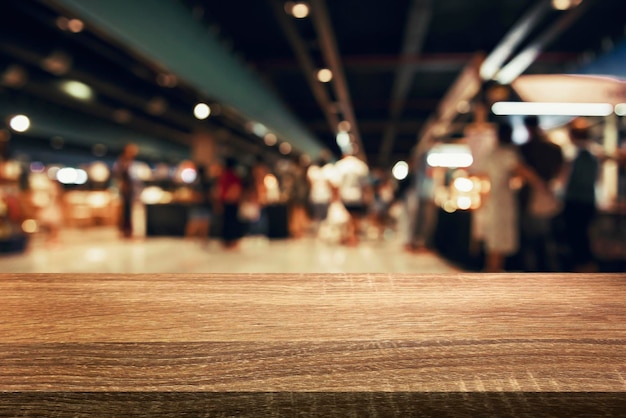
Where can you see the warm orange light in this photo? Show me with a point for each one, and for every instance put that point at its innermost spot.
(284, 148)
(75, 25)
(270, 139)
(29, 226)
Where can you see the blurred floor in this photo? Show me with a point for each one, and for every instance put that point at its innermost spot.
(100, 250)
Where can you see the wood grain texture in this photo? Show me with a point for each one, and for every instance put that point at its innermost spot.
(353, 335)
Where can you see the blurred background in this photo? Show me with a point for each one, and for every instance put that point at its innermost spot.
(247, 118)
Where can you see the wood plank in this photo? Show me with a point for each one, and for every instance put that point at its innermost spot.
(354, 335)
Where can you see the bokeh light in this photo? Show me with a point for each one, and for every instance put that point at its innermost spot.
(201, 111)
(400, 170)
(324, 75)
(19, 123)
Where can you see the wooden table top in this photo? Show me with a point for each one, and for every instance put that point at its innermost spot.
(360, 335)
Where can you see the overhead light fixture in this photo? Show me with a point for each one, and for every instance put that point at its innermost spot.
(517, 66)
(201, 111)
(57, 63)
(620, 109)
(344, 125)
(299, 9)
(284, 148)
(324, 75)
(343, 139)
(551, 109)
(400, 170)
(270, 139)
(14, 76)
(19, 123)
(259, 129)
(75, 25)
(565, 4)
(77, 90)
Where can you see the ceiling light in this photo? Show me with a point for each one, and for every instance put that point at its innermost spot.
(565, 4)
(552, 109)
(298, 10)
(77, 90)
(324, 75)
(75, 25)
(201, 111)
(343, 139)
(14, 76)
(63, 22)
(57, 63)
(270, 139)
(284, 148)
(344, 125)
(620, 109)
(259, 129)
(19, 123)
(400, 170)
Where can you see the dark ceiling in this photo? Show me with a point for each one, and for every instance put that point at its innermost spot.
(394, 61)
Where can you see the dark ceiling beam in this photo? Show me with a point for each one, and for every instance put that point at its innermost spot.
(306, 64)
(371, 126)
(424, 63)
(526, 57)
(420, 13)
(330, 51)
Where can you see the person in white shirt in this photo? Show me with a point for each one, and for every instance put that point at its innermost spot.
(352, 181)
(319, 176)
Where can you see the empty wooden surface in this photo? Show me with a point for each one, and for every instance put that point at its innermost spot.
(356, 335)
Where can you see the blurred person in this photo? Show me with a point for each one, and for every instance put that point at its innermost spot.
(383, 198)
(353, 187)
(50, 216)
(127, 190)
(229, 192)
(579, 197)
(259, 197)
(481, 137)
(297, 199)
(422, 210)
(501, 208)
(546, 160)
(200, 214)
(320, 193)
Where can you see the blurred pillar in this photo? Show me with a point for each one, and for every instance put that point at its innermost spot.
(203, 148)
(610, 171)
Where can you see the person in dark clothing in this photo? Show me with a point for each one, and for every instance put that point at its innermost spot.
(580, 202)
(122, 171)
(229, 197)
(546, 160)
(200, 214)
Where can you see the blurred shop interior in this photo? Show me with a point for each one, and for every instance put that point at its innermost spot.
(415, 89)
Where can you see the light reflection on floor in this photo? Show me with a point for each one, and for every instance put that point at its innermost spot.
(100, 250)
